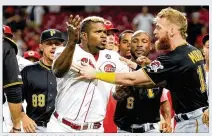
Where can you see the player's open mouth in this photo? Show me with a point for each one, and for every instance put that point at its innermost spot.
(52, 52)
(139, 51)
(104, 42)
(128, 51)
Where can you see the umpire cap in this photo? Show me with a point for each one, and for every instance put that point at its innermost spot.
(51, 34)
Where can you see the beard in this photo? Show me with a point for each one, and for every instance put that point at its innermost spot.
(163, 43)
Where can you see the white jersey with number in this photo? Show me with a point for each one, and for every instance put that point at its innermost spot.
(85, 100)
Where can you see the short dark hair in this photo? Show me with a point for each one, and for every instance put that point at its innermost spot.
(85, 24)
(205, 39)
(124, 32)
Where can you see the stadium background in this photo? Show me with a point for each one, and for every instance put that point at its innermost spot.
(27, 22)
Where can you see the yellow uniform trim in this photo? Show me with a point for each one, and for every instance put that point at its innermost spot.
(107, 77)
(44, 66)
(10, 40)
(12, 84)
(148, 76)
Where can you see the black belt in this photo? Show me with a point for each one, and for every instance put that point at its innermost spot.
(182, 116)
(41, 123)
(140, 129)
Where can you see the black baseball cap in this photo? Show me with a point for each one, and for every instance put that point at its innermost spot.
(51, 34)
(205, 39)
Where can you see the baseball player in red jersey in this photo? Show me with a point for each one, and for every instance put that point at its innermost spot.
(81, 104)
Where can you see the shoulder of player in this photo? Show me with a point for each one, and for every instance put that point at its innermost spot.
(9, 44)
(166, 58)
(31, 67)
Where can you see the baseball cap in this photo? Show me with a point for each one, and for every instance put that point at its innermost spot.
(33, 54)
(116, 39)
(51, 34)
(205, 38)
(109, 26)
(7, 30)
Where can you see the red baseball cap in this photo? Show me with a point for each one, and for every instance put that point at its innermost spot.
(7, 30)
(33, 54)
(109, 26)
(116, 40)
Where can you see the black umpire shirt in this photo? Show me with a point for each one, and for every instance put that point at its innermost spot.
(183, 70)
(141, 106)
(11, 73)
(39, 90)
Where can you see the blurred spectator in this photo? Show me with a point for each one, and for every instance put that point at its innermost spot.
(33, 43)
(18, 20)
(194, 28)
(22, 47)
(204, 16)
(35, 15)
(54, 9)
(198, 43)
(90, 9)
(143, 21)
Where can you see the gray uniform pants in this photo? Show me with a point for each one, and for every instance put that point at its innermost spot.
(155, 130)
(194, 123)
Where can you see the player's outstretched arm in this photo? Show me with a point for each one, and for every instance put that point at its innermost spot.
(138, 77)
(63, 62)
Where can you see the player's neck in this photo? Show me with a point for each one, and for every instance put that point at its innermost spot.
(86, 48)
(177, 41)
(46, 61)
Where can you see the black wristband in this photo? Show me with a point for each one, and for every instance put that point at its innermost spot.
(15, 129)
(138, 67)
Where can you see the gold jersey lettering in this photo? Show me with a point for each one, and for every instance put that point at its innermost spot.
(195, 56)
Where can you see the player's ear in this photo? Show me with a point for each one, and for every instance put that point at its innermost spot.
(41, 47)
(83, 36)
(171, 32)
